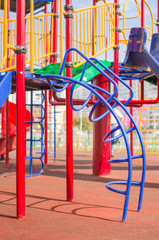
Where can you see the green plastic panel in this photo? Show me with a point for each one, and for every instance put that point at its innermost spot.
(90, 72)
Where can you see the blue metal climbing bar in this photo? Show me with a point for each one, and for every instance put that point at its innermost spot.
(31, 140)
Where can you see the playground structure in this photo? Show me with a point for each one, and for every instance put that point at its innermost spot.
(76, 62)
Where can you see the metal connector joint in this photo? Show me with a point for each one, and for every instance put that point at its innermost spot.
(69, 64)
(21, 49)
(68, 7)
(68, 15)
(117, 5)
(56, 15)
(118, 12)
(55, 55)
(117, 47)
(117, 29)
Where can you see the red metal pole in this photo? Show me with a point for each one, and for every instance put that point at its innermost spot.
(116, 50)
(46, 125)
(131, 125)
(142, 13)
(62, 101)
(93, 28)
(69, 112)
(55, 32)
(2, 124)
(7, 101)
(158, 14)
(7, 131)
(101, 150)
(20, 114)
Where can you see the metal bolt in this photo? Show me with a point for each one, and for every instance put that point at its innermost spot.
(21, 73)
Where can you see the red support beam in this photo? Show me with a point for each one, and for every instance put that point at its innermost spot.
(158, 13)
(46, 115)
(131, 125)
(101, 150)
(62, 101)
(116, 50)
(7, 131)
(7, 101)
(55, 32)
(2, 124)
(46, 127)
(142, 13)
(93, 28)
(69, 112)
(20, 113)
(53, 59)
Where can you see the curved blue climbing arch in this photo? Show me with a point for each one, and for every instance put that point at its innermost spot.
(111, 103)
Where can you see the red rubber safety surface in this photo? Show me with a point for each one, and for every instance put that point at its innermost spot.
(95, 213)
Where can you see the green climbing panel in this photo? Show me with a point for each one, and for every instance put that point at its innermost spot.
(90, 72)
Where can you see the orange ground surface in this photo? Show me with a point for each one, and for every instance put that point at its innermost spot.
(95, 213)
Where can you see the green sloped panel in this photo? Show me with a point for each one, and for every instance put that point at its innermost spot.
(91, 72)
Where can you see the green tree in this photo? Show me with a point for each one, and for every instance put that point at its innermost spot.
(86, 124)
(76, 121)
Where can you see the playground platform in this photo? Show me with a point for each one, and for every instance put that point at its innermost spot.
(95, 213)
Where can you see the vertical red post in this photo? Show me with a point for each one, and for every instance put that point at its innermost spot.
(7, 101)
(3, 124)
(158, 14)
(7, 131)
(46, 125)
(53, 58)
(142, 25)
(20, 111)
(101, 150)
(55, 50)
(93, 28)
(69, 112)
(142, 13)
(116, 50)
(55, 32)
(131, 125)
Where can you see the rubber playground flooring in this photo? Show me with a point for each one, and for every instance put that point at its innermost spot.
(94, 213)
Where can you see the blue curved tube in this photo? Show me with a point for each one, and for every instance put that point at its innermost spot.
(94, 90)
(116, 137)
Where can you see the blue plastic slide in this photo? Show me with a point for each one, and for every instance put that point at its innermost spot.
(137, 53)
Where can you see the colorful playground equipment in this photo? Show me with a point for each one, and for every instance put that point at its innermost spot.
(66, 59)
